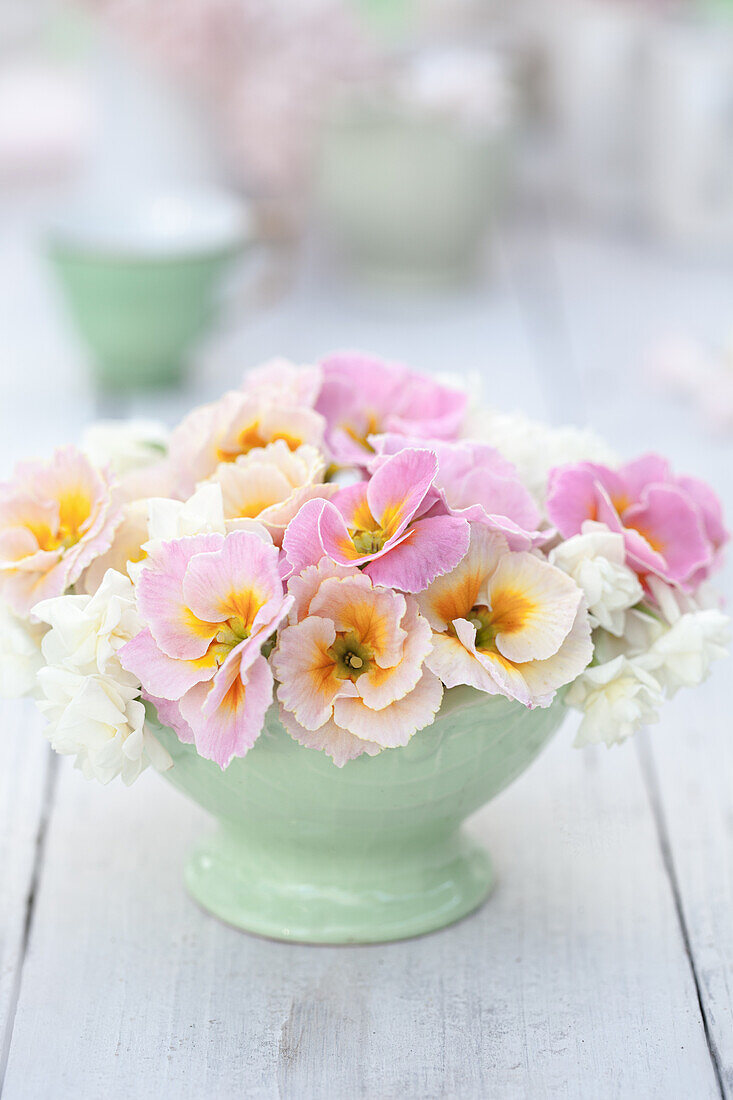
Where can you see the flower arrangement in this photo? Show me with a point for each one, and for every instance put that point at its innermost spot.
(346, 542)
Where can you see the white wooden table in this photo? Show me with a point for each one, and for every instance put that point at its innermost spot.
(601, 967)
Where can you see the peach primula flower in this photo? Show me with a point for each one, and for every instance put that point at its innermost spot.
(351, 670)
(271, 483)
(56, 517)
(260, 413)
(507, 623)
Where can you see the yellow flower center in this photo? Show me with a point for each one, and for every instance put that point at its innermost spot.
(74, 510)
(372, 428)
(229, 635)
(251, 437)
(368, 542)
(232, 632)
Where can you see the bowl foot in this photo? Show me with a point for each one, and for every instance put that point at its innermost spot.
(312, 895)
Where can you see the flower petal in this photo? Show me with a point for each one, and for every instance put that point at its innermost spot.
(533, 607)
(544, 677)
(453, 595)
(302, 541)
(307, 671)
(429, 548)
(395, 724)
(337, 743)
(352, 604)
(381, 684)
(573, 495)
(353, 505)
(236, 580)
(227, 716)
(671, 525)
(161, 675)
(304, 586)
(454, 664)
(176, 629)
(503, 675)
(396, 490)
(169, 714)
(335, 538)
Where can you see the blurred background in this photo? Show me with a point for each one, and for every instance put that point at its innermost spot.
(535, 195)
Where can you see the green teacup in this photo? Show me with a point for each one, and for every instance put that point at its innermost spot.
(141, 279)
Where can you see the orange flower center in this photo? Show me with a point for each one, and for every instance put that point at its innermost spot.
(251, 437)
(507, 616)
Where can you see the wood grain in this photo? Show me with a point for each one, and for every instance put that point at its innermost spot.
(688, 757)
(24, 788)
(573, 980)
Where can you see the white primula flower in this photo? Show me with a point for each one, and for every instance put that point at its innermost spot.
(203, 513)
(125, 445)
(20, 653)
(683, 655)
(535, 447)
(87, 631)
(595, 560)
(678, 644)
(92, 704)
(616, 698)
(101, 722)
(684, 645)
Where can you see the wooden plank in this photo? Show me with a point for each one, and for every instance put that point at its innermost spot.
(45, 400)
(626, 300)
(24, 778)
(691, 780)
(693, 767)
(573, 980)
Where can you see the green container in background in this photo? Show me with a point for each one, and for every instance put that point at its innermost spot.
(373, 851)
(142, 294)
(407, 198)
(140, 319)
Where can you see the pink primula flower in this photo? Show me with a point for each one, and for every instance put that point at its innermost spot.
(672, 526)
(380, 524)
(351, 669)
(55, 518)
(362, 396)
(478, 484)
(507, 623)
(209, 603)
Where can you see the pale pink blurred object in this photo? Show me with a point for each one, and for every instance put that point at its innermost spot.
(700, 372)
(263, 71)
(44, 120)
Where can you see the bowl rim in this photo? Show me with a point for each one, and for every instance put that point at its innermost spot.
(70, 232)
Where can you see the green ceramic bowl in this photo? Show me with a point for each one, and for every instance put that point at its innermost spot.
(372, 851)
(141, 280)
